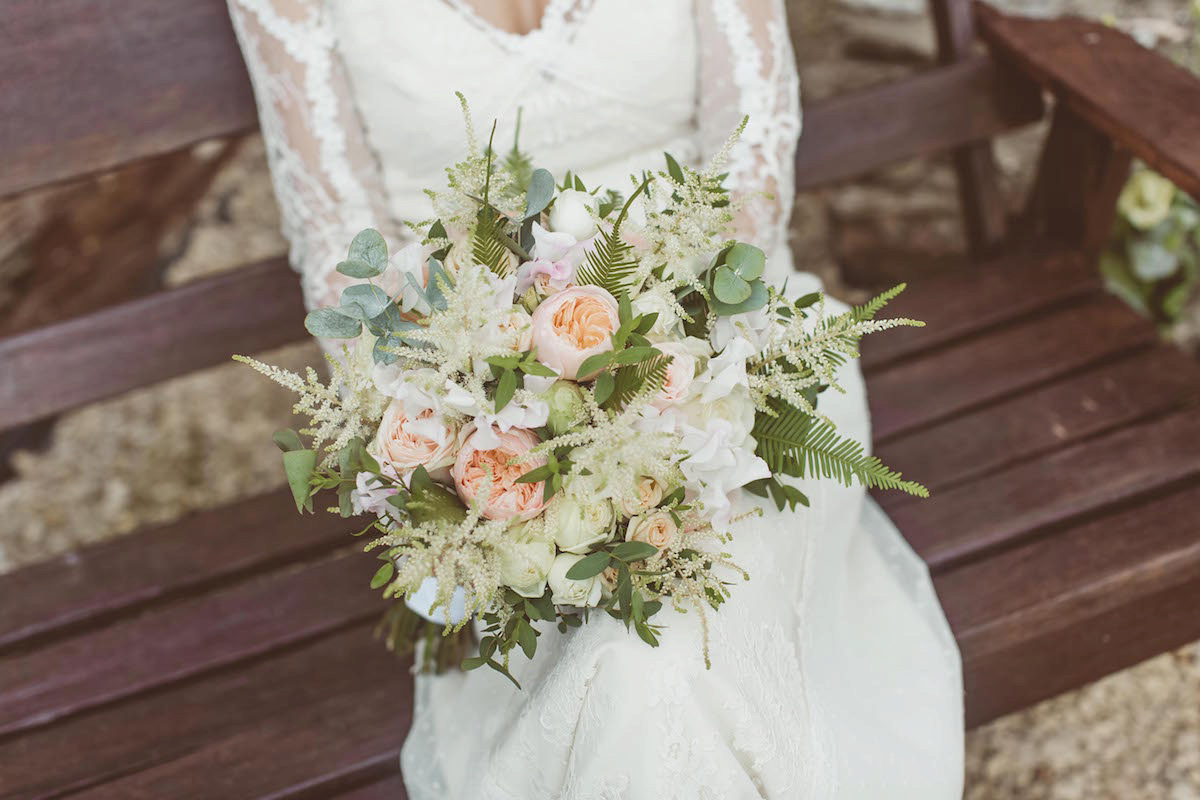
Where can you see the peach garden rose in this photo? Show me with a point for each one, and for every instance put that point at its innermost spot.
(506, 499)
(406, 443)
(572, 325)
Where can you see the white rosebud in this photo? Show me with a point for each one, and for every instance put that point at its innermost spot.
(654, 527)
(566, 404)
(567, 592)
(525, 561)
(579, 526)
(667, 322)
(572, 213)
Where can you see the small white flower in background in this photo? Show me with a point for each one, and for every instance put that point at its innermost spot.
(573, 212)
(654, 527)
(1146, 199)
(567, 592)
(526, 556)
(580, 525)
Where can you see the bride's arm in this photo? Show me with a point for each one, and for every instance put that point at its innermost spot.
(325, 176)
(747, 70)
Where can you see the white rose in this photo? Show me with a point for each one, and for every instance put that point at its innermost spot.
(649, 494)
(572, 213)
(579, 526)
(525, 561)
(654, 527)
(656, 303)
(681, 371)
(567, 592)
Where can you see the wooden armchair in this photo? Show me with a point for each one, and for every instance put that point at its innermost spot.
(229, 654)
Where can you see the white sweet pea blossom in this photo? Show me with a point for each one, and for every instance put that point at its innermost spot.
(412, 270)
(752, 326)
(369, 496)
(417, 389)
(528, 414)
(725, 370)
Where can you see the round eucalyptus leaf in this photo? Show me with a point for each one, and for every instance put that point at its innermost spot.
(728, 287)
(757, 299)
(357, 269)
(370, 248)
(364, 301)
(329, 323)
(541, 192)
(746, 260)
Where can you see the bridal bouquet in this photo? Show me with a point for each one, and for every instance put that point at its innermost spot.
(548, 405)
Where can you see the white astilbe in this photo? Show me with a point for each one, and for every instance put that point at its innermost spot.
(803, 352)
(338, 410)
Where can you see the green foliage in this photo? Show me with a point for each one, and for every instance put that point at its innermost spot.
(796, 443)
(610, 263)
(487, 245)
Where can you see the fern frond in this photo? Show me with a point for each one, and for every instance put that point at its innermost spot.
(486, 246)
(645, 378)
(610, 264)
(869, 309)
(796, 443)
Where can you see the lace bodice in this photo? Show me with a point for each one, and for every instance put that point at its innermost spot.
(357, 106)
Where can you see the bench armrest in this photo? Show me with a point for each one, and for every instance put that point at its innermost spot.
(1132, 95)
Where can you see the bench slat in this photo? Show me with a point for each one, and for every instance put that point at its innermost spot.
(963, 302)
(995, 365)
(186, 638)
(946, 106)
(1038, 422)
(87, 86)
(189, 555)
(1001, 510)
(1070, 608)
(167, 334)
(359, 683)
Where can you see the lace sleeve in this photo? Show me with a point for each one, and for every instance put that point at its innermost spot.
(747, 69)
(325, 176)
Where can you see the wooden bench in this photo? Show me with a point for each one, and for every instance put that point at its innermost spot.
(229, 654)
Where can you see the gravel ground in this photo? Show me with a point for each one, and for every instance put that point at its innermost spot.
(203, 440)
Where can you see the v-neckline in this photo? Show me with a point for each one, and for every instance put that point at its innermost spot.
(556, 15)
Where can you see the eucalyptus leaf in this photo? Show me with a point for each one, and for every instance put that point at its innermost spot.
(746, 260)
(673, 168)
(605, 383)
(505, 389)
(287, 440)
(383, 575)
(329, 323)
(364, 301)
(758, 299)
(298, 466)
(596, 362)
(357, 269)
(589, 566)
(369, 248)
(541, 192)
(634, 551)
(729, 288)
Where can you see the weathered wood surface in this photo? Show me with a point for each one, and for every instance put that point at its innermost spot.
(965, 102)
(87, 86)
(1139, 99)
(195, 554)
(52, 369)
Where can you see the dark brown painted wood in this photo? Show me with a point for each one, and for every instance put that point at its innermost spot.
(214, 716)
(1005, 508)
(1002, 362)
(932, 112)
(1080, 175)
(185, 638)
(196, 553)
(1136, 97)
(87, 86)
(391, 788)
(961, 303)
(52, 369)
(984, 213)
(1070, 608)
(1030, 424)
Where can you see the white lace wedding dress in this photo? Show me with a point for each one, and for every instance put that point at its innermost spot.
(833, 674)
